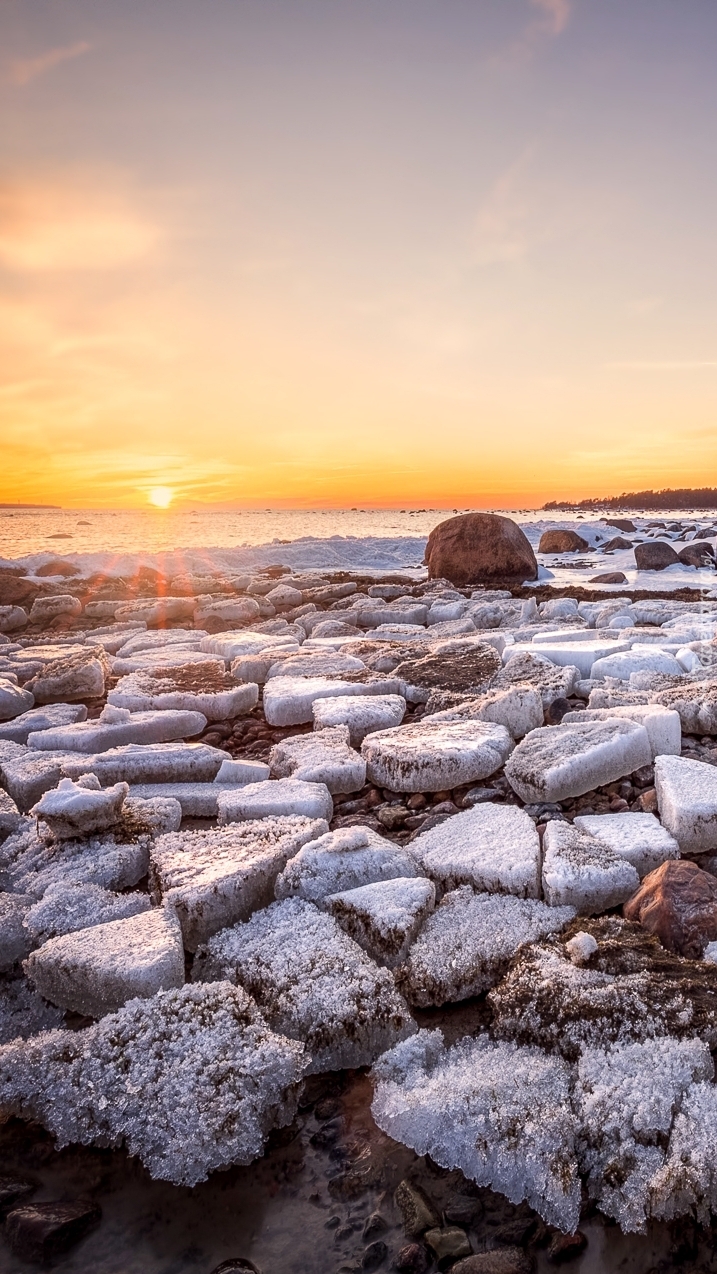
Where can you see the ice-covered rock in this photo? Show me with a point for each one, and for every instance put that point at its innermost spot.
(235, 645)
(12, 619)
(157, 611)
(532, 668)
(66, 908)
(581, 947)
(15, 939)
(468, 942)
(45, 609)
(290, 700)
(215, 878)
(429, 757)
(490, 847)
(663, 726)
(518, 708)
(558, 762)
(315, 663)
(384, 918)
(311, 982)
(45, 718)
(362, 715)
(696, 703)
(191, 1081)
(27, 775)
(687, 801)
(112, 731)
(501, 1114)
(274, 798)
(583, 872)
(149, 763)
(13, 700)
(79, 676)
(346, 859)
(639, 838)
(204, 688)
(569, 654)
(326, 757)
(687, 1181)
(224, 614)
(95, 971)
(77, 809)
(103, 861)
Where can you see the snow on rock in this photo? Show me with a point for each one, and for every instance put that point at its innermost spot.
(66, 908)
(13, 701)
(345, 859)
(311, 982)
(15, 940)
(429, 757)
(150, 763)
(687, 801)
(76, 809)
(500, 1113)
(696, 703)
(216, 877)
(191, 1081)
(466, 945)
(583, 872)
(206, 688)
(530, 667)
(23, 1012)
(558, 762)
(638, 838)
(45, 718)
(110, 732)
(73, 677)
(290, 700)
(274, 798)
(490, 847)
(384, 918)
(326, 757)
(663, 727)
(363, 715)
(95, 971)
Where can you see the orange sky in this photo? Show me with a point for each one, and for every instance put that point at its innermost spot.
(422, 253)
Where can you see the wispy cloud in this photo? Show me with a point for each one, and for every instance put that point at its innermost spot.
(556, 13)
(24, 70)
(500, 232)
(664, 365)
(552, 18)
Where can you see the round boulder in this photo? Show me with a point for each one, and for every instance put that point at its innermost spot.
(678, 903)
(701, 554)
(561, 541)
(609, 577)
(58, 566)
(655, 556)
(620, 524)
(480, 548)
(617, 543)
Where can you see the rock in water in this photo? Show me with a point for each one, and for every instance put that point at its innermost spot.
(678, 902)
(561, 541)
(480, 548)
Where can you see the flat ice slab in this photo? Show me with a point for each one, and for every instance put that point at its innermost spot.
(197, 800)
(363, 715)
(46, 718)
(696, 703)
(627, 662)
(138, 727)
(326, 757)
(161, 1081)
(342, 860)
(575, 654)
(9, 815)
(312, 983)
(500, 1113)
(273, 798)
(529, 667)
(215, 878)
(290, 700)
(95, 971)
(582, 872)
(13, 700)
(77, 809)
(490, 847)
(234, 645)
(638, 838)
(99, 861)
(663, 726)
(384, 918)
(66, 908)
(429, 757)
(27, 776)
(207, 689)
(558, 762)
(150, 763)
(687, 801)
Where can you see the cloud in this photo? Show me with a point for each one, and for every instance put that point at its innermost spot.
(664, 366)
(551, 21)
(23, 70)
(556, 13)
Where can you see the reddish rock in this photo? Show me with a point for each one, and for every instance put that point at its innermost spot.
(58, 566)
(502, 1260)
(610, 577)
(565, 1247)
(620, 524)
(678, 903)
(480, 548)
(648, 801)
(40, 1231)
(14, 590)
(619, 542)
(655, 556)
(562, 542)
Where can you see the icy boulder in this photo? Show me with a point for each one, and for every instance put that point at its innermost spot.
(273, 799)
(500, 1113)
(118, 726)
(13, 700)
(74, 676)
(54, 714)
(290, 700)
(66, 908)
(638, 838)
(429, 757)
(687, 801)
(214, 878)
(346, 859)
(311, 982)
(326, 757)
(558, 762)
(467, 944)
(191, 1081)
(583, 872)
(384, 918)
(363, 715)
(95, 971)
(150, 763)
(79, 809)
(518, 708)
(204, 688)
(530, 667)
(695, 702)
(490, 847)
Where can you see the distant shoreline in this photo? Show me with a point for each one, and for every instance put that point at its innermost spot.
(31, 506)
(681, 498)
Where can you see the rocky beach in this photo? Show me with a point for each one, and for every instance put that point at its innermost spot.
(360, 919)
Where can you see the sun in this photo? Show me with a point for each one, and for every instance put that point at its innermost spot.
(161, 497)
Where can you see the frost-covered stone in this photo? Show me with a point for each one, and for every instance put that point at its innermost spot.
(363, 715)
(95, 971)
(73, 677)
(583, 872)
(12, 618)
(110, 732)
(326, 757)
(150, 763)
(66, 908)
(311, 982)
(15, 940)
(206, 688)
(45, 718)
(13, 700)
(557, 762)
(581, 948)
(102, 861)
(696, 703)
(687, 1181)
(45, 609)
(687, 801)
(215, 878)
(663, 727)
(76, 809)
(384, 918)
(290, 700)
(274, 798)
(468, 942)
(531, 667)
(639, 838)
(28, 775)
(518, 708)
(499, 1113)
(429, 757)
(191, 1081)
(23, 1012)
(346, 859)
(490, 847)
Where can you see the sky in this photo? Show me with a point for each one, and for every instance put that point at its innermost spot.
(324, 253)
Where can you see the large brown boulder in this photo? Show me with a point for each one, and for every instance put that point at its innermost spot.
(678, 903)
(655, 556)
(701, 554)
(562, 542)
(620, 524)
(480, 548)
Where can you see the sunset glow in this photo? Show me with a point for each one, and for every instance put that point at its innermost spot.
(161, 497)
